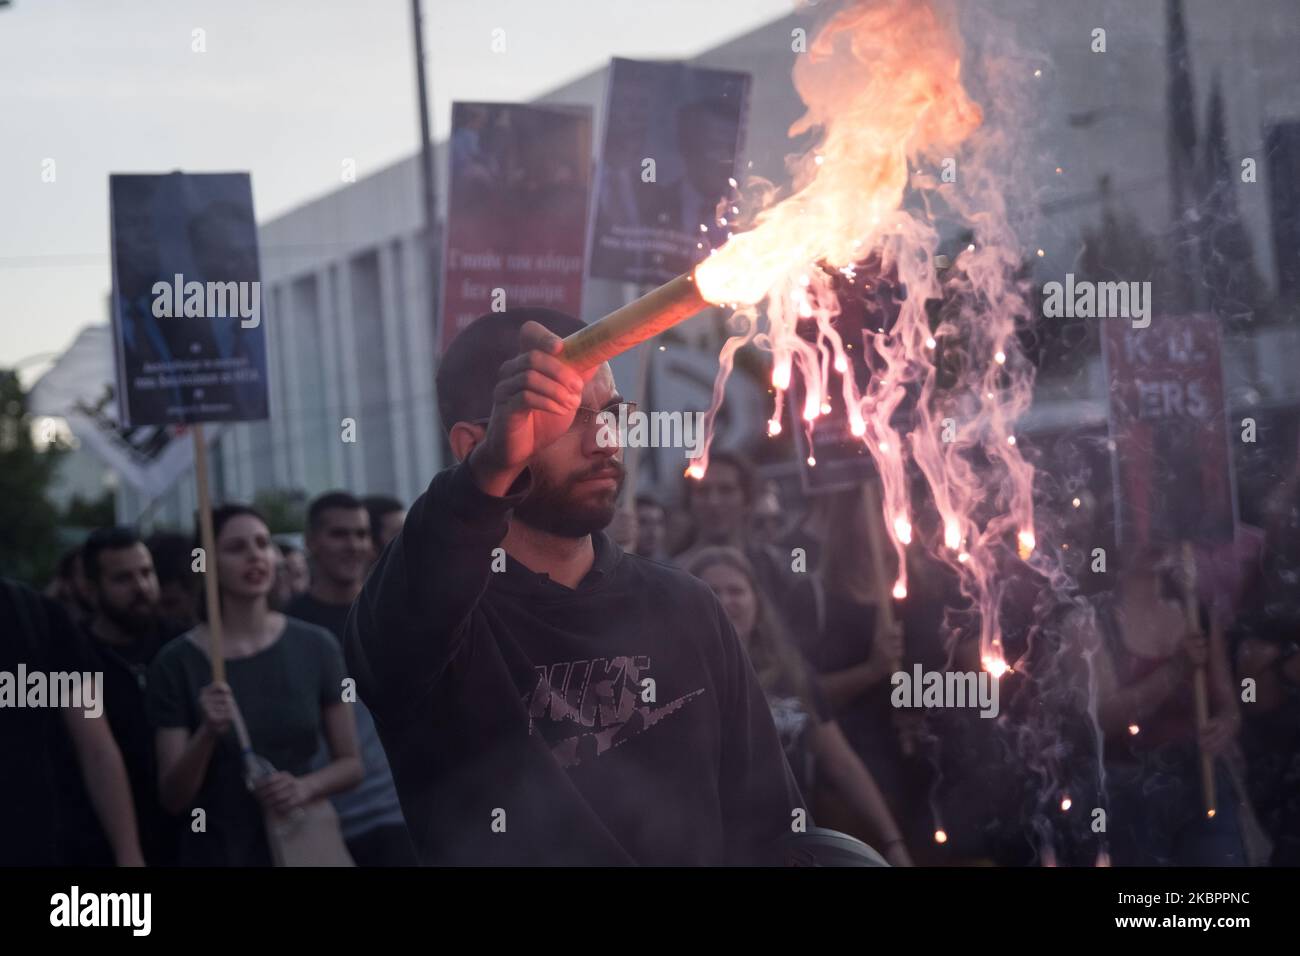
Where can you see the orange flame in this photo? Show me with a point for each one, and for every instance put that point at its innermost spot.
(882, 82)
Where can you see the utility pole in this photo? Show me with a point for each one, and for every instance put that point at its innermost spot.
(427, 181)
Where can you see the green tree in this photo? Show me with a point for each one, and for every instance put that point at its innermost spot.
(285, 509)
(95, 513)
(29, 521)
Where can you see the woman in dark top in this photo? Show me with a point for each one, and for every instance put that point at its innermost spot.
(814, 745)
(1144, 666)
(854, 653)
(286, 679)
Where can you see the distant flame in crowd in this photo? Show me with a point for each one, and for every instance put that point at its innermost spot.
(883, 87)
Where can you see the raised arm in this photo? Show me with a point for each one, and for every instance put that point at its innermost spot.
(411, 617)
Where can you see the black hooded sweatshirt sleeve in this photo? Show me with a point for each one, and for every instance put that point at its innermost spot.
(529, 723)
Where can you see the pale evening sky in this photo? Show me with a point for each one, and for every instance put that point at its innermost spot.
(285, 89)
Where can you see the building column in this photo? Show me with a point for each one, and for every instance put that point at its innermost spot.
(399, 394)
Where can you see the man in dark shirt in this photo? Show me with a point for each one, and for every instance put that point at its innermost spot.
(38, 636)
(721, 505)
(126, 634)
(544, 697)
(339, 541)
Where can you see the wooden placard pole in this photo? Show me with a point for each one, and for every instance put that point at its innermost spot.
(1200, 686)
(212, 592)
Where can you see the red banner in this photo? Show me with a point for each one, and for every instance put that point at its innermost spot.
(1168, 425)
(516, 232)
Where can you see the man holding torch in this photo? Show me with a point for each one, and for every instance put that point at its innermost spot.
(543, 697)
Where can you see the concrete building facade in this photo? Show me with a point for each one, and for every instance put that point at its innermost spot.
(347, 289)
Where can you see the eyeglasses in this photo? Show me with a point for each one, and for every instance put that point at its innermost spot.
(617, 411)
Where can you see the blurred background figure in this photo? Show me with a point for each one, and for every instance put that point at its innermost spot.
(283, 677)
(68, 586)
(387, 515)
(34, 799)
(1145, 663)
(721, 506)
(652, 528)
(339, 542)
(292, 575)
(178, 583)
(853, 653)
(769, 524)
(815, 746)
(127, 632)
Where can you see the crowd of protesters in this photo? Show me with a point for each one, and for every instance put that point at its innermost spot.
(166, 779)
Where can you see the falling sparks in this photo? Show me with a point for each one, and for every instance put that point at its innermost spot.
(940, 836)
(1066, 803)
(695, 471)
(1076, 502)
(995, 665)
(1025, 544)
(1133, 730)
(781, 375)
(903, 529)
(884, 91)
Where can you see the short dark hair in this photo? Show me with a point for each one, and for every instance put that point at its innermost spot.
(105, 539)
(377, 506)
(468, 373)
(329, 501)
(745, 473)
(222, 514)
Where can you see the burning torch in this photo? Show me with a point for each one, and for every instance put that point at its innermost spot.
(625, 328)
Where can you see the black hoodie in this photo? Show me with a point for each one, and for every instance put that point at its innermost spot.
(527, 723)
